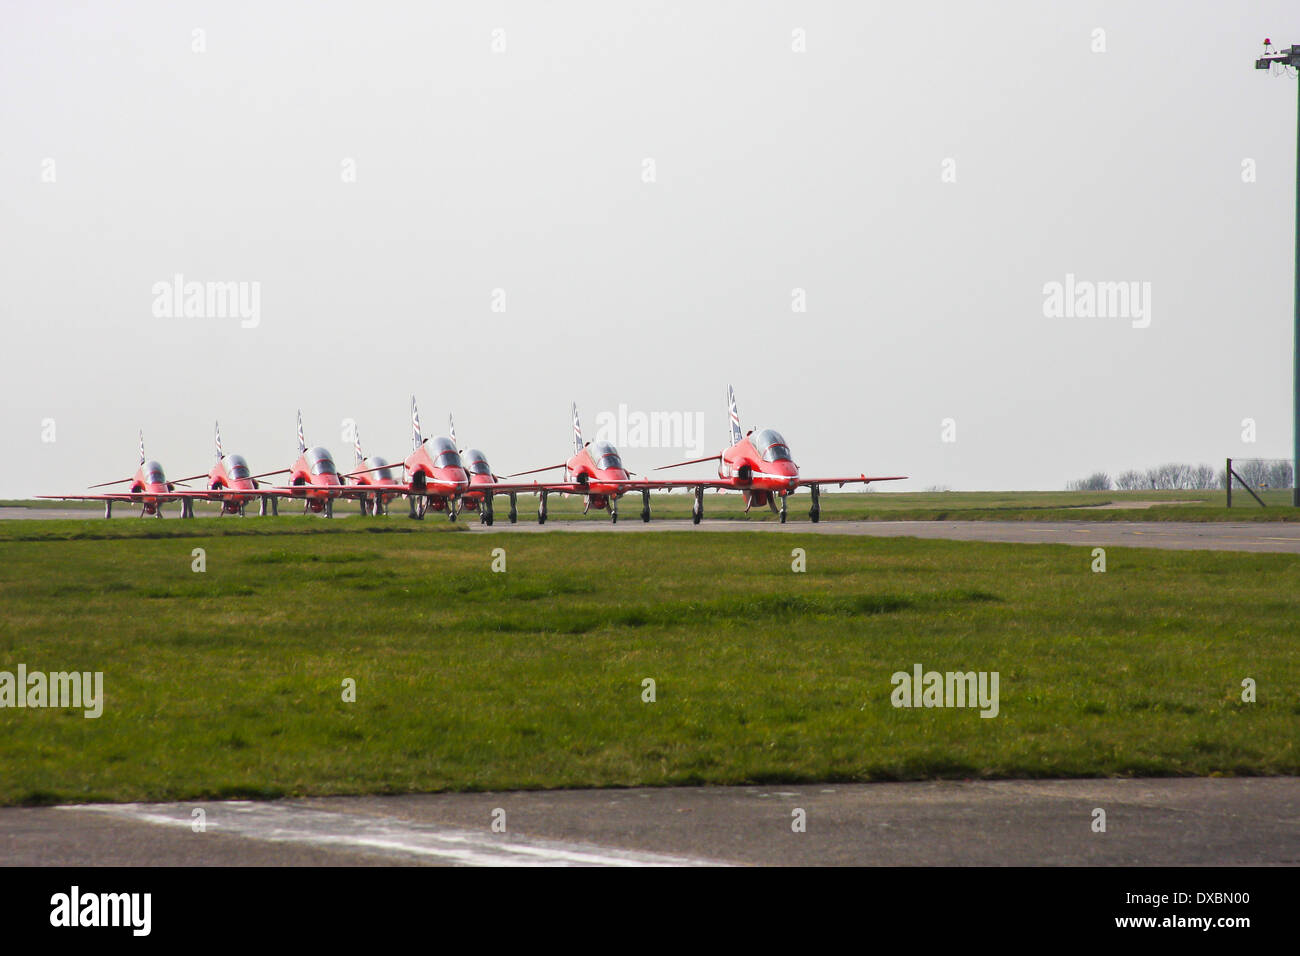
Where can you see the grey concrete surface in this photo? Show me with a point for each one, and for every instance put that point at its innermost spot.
(1165, 821)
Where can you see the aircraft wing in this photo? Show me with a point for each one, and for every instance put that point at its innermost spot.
(502, 487)
(864, 479)
(331, 491)
(122, 496)
(726, 484)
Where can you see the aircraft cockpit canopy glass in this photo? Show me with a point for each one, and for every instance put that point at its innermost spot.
(320, 462)
(771, 446)
(444, 454)
(153, 473)
(477, 461)
(605, 455)
(385, 473)
(236, 467)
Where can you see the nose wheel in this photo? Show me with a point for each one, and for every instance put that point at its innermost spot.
(783, 499)
(613, 510)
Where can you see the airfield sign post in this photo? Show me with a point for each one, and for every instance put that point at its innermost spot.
(1291, 57)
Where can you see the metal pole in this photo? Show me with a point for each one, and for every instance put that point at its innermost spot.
(1295, 381)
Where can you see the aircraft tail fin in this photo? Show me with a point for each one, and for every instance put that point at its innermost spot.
(733, 416)
(142, 446)
(416, 440)
(302, 437)
(451, 427)
(356, 446)
(217, 436)
(577, 429)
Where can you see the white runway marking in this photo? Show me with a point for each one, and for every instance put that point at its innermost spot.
(286, 823)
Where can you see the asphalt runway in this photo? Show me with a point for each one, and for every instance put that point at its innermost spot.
(1149, 822)
(1259, 536)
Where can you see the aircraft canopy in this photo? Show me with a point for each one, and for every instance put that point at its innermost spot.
(605, 455)
(771, 446)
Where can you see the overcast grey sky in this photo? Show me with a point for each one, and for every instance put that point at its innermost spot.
(379, 169)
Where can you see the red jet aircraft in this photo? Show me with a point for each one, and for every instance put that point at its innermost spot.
(437, 478)
(230, 483)
(376, 476)
(313, 479)
(149, 488)
(595, 471)
(759, 466)
(435, 475)
(483, 483)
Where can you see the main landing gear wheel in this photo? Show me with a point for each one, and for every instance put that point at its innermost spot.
(815, 512)
(697, 508)
(514, 511)
(541, 510)
(645, 506)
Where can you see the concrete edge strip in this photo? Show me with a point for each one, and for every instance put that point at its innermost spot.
(285, 823)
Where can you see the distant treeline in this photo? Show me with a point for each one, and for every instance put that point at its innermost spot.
(1258, 473)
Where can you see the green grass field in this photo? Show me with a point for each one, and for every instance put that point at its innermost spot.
(229, 682)
(881, 505)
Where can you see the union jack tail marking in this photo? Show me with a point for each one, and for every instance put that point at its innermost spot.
(733, 416)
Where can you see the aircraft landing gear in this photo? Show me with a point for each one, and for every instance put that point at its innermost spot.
(451, 509)
(108, 509)
(514, 512)
(541, 509)
(329, 507)
(697, 507)
(365, 506)
(485, 515)
(242, 506)
(613, 510)
(187, 508)
(815, 512)
(645, 505)
(783, 500)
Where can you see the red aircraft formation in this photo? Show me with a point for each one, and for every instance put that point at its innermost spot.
(439, 476)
